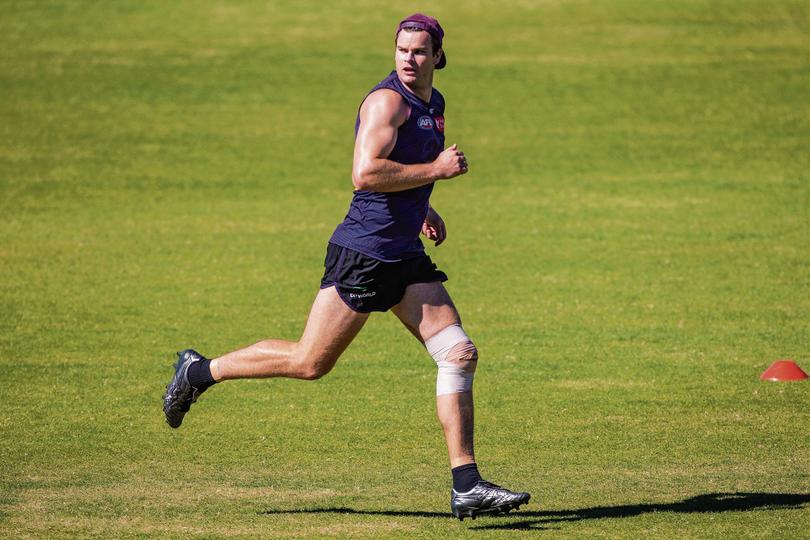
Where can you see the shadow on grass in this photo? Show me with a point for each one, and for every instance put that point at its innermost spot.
(708, 503)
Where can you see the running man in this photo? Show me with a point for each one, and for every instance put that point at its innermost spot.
(375, 261)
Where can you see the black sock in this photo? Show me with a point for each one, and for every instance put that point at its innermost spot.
(199, 374)
(465, 477)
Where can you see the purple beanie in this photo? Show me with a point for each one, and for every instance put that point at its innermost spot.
(429, 25)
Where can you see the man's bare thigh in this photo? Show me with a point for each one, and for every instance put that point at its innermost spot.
(330, 328)
(425, 309)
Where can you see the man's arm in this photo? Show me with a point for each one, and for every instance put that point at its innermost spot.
(434, 227)
(380, 117)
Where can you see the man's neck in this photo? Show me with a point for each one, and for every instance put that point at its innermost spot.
(422, 92)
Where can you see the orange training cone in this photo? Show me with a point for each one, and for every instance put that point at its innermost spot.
(783, 370)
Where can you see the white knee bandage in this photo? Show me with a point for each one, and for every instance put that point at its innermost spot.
(456, 357)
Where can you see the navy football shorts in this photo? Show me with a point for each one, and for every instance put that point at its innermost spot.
(366, 284)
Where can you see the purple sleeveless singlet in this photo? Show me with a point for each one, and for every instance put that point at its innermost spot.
(386, 226)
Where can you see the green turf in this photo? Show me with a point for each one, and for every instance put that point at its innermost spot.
(630, 250)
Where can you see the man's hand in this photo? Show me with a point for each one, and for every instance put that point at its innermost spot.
(450, 163)
(433, 227)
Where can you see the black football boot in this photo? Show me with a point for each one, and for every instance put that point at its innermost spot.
(179, 393)
(485, 498)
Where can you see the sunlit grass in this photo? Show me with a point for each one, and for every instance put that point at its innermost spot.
(629, 252)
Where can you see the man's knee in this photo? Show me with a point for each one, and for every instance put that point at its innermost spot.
(464, 355)
(314, 366)
(314, 372)
(456, 357)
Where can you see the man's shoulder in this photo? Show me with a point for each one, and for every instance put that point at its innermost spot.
(385, 95)
(385, 102)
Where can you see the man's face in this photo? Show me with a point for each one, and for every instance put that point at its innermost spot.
(414, 57)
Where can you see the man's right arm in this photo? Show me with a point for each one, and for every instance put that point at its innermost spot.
(380, 117)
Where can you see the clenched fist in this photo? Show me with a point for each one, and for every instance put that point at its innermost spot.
(450, 163)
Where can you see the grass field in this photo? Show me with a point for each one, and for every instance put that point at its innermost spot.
(630, 250)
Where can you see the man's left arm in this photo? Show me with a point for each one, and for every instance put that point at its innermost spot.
(433, 227)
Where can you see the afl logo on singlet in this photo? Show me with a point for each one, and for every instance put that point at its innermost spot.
(425, 122)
